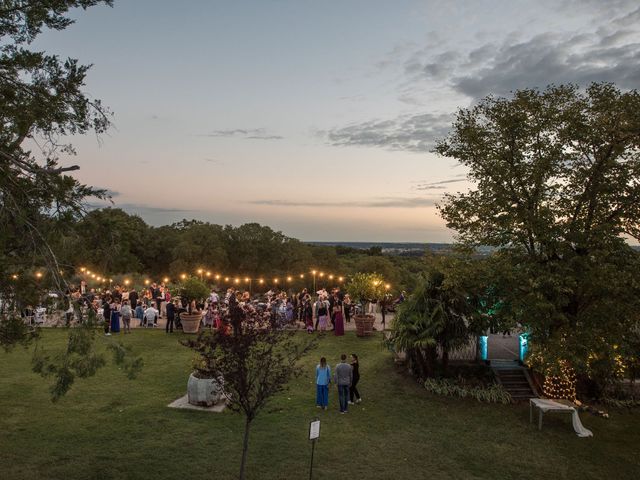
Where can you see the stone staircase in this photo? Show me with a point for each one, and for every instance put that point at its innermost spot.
(514, 378)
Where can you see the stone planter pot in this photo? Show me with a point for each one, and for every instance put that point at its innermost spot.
(203, 392)
(190, 322)
(364, 325)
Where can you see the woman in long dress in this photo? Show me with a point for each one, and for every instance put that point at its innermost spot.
(307, 312)
(338, 318)
(322, 312)
(115, 317)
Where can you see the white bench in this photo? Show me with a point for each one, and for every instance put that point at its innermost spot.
(544, 405)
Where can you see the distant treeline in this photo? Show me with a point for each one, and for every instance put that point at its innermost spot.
(112, 242)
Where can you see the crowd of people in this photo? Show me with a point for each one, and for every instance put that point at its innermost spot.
(121, 306)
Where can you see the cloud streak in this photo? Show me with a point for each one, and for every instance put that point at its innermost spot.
(246, 133)
(385, 202)
(441, 185)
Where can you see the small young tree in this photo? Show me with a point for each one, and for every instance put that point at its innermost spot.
(366, 287)
(255, 363)
(193, 290)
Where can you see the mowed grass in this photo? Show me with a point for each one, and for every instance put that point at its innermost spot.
(108, 427)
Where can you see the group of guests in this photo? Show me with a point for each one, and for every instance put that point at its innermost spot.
(118, 306)
(323, 311)
(330, 311)
(346, 378)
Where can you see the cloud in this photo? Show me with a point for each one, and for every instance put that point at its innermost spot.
(555, 59)
(138, 209)
(213, 161)
(246, 133)
(384, 202)
(415, 133)
(607, 50)
(441, 185)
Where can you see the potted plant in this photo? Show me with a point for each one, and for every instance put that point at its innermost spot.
(204, 389)
(365, 287)
(192, 290)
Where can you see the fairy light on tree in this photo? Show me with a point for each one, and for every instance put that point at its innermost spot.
(561, 385)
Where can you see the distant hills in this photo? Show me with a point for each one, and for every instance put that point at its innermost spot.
(408, 249)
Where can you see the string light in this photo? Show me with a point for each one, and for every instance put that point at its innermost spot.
(562, 386)
(14, 276)
(208, 273)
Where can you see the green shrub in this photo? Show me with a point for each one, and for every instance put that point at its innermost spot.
(493, 393)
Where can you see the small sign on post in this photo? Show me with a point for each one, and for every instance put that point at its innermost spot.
(314, 429)
(314, 434)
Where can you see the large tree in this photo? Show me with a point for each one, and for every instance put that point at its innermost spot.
(557, 188)
(41, 102)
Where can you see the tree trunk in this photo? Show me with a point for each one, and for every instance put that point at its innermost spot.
(445, 361)
(432, 356)
(245, 448)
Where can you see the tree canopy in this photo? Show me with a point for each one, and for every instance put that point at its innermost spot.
(557, 188)
(41, 102)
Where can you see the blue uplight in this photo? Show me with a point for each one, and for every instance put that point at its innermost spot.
(484, 347)
(524, 345)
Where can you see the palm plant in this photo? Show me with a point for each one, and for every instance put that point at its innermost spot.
(432, 317)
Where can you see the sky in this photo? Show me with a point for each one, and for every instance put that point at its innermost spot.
(317, 118)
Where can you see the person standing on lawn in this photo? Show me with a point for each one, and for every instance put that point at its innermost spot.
(106, 314)
(126, 313)
(354, 395)
(171, 316)
(323, 380)
(343, 379)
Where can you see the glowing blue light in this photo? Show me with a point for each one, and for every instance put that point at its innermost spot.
(484, 347)
(524, 345)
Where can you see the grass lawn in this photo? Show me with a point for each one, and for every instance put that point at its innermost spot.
(108, 427)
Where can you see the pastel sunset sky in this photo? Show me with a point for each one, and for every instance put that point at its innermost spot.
(317, 117)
